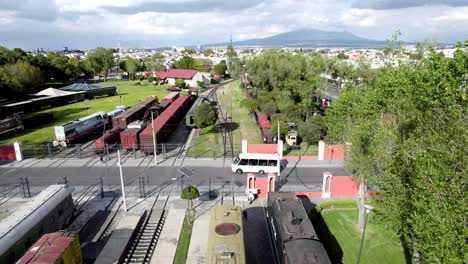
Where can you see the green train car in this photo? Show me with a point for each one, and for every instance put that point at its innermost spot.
(226, 236)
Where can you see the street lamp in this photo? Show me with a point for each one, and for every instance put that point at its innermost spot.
(368, 209)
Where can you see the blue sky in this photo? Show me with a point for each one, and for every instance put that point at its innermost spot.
(53, 24)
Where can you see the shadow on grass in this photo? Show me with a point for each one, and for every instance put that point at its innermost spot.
(334, 251)
(218, 128)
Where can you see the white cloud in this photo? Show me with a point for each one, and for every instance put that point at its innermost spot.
(94, 20)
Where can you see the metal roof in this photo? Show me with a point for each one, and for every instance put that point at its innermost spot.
(83, 87)
(18, 224)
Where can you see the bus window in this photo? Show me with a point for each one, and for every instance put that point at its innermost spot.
(263, 162)
(244, 162)
(253, 162)
(272, 163)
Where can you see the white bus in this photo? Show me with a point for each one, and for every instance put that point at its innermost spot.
(256, 163)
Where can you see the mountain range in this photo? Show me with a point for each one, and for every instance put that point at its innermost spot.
(309, 38)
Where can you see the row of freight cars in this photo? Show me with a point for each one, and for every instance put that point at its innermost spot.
(134, 128)
(294, 238)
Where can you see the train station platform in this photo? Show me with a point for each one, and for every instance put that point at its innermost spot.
(119, 239)
(165, 250)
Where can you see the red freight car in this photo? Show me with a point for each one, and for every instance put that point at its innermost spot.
(165, 123)
(129, 138)
(111, 136)
(263, 121)
(58, 247)
(171, 97)
(135, 113)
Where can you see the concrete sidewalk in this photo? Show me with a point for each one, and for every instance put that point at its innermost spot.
(166, 247)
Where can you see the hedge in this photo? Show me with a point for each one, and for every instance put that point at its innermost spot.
(194, 193)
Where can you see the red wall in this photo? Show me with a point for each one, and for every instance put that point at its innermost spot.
(7, 153)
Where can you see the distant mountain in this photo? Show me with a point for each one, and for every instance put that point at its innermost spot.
(309, 38)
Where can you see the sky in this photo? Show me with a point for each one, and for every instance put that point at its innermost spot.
(53, 24)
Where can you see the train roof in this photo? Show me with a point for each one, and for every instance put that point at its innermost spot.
(28, 215)
(226, 241)
(306, 251)
(195, 105)
(162, 119)
(48, 248)
(293, 221)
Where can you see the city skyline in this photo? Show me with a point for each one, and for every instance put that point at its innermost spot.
(53, 24)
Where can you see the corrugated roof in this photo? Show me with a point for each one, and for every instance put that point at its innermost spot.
(83, 87)
(181, 73)
(47, 249)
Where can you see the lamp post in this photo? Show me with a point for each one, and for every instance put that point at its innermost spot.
(154, 141)
(122, 182)
(368, 209)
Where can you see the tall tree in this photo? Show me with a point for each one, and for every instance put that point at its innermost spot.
(19, 79)
(407, 129)
(186, 62)
(130, 66)
(100, 60)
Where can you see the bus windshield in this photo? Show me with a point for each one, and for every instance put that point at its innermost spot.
(236, 160)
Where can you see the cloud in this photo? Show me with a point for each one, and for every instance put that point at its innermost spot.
(398, 4)
(197, 6)
(43, 10)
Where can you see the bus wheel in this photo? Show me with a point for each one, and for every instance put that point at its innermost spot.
(239, 171)
(261, 172)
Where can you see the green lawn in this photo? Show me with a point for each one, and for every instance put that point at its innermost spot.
(131, 94)
(208, 142)
(304, 150)
(184, 240)
(380, 244)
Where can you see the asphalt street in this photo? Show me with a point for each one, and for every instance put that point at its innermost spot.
(305, 178)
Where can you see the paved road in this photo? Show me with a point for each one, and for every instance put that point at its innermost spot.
(305, 178)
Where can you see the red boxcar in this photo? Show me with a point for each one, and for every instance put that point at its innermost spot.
(171, 97)
(263, 121)
(129, 138)
(111, 136)
(58, 247)
(135, 113)
(165, 123)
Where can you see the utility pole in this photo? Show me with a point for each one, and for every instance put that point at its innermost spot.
(154, 141)
(122, 182)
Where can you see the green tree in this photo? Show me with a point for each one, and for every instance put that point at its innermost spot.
(155, 63)
(130, 66)
(407, 130)
(342, 56)
(205, 115)
(312, 130)
(203, 65)
(188, 51)
(208, 52)
(180, 83)
(186, 62)
(100, 60)
(72, 69)
(6, 56)
(19, 79)
(220, 68)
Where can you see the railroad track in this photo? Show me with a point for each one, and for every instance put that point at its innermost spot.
(142, 248)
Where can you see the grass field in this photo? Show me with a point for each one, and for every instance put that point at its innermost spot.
(208, 142)
(380, 245)
(130, 93)
(184, 240)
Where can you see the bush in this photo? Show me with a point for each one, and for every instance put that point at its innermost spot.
(205, 115)
(200, 84)
(180, 83)
(192, 194)
(137, 83)
(144, 82)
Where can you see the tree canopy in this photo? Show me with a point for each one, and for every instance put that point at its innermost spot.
(100, 60)
(408, 136)
(205, 115)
